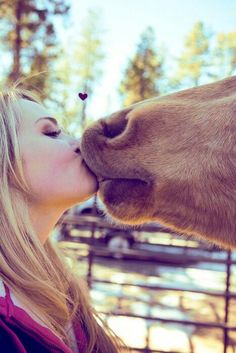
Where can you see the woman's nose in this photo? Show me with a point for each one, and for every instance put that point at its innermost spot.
(76, 146)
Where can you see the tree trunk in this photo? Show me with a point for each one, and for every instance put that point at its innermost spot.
(16, 70)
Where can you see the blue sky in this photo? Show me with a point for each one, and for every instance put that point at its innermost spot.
(125, 20)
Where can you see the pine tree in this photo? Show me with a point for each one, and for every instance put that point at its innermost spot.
(28, 36)
(224, 55)
(195, 62)
(143, 72)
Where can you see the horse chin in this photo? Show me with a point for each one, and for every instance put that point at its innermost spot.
(121, 201)
(110, 196)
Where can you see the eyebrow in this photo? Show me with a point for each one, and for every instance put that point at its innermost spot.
(48, 118)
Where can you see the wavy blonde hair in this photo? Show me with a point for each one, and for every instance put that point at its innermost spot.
(38, 274)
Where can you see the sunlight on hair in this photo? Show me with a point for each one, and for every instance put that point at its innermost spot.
(38, 275)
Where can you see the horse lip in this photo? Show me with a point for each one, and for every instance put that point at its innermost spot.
(100, 179)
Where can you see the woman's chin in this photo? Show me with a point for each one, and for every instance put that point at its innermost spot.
(93, 181)
(86, 191)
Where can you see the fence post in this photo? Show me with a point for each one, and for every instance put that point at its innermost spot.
(227, 298)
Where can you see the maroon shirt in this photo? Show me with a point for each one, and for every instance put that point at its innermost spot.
(20, 333)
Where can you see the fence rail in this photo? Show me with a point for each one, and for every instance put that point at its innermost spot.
(94, 224)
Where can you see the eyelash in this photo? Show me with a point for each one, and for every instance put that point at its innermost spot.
(53, 133)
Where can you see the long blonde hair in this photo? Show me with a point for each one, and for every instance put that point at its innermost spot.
(37, 273)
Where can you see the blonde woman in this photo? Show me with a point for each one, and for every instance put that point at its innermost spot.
(43, 306)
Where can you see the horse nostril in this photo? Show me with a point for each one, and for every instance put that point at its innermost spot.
(113, 127)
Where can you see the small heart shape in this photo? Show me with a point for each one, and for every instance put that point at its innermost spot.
(83, 96)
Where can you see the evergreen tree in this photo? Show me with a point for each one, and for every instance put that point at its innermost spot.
(224, 55)
(28, 34)
(143, 72)
(195, 62)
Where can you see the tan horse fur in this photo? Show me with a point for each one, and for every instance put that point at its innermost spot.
(171, 159)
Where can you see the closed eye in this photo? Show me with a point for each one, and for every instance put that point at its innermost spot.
(53, 133)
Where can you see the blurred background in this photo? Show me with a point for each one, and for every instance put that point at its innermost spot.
(161, 292)
(119, 52)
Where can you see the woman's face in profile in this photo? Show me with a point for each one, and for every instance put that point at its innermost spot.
(57, 175)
